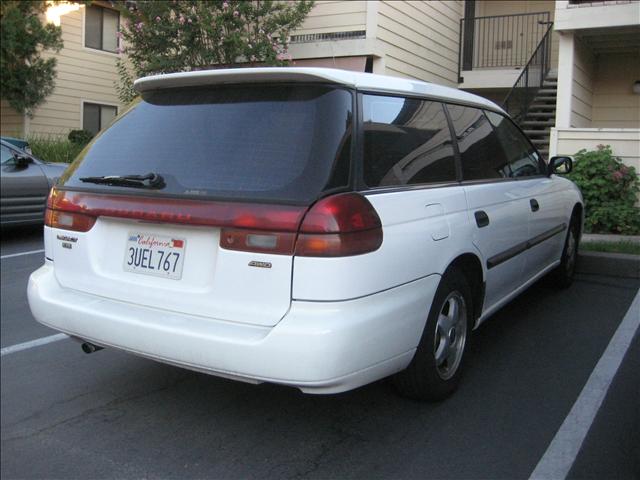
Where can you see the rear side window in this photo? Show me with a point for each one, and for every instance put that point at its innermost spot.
(271, 143)
(406, 142)
(522, 157)
(481, 154)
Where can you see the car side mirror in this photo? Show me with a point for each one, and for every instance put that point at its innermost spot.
(560, 165)
(21, 161)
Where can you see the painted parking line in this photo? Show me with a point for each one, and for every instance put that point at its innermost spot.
(563, 449)
(33, 343)
(30, 252)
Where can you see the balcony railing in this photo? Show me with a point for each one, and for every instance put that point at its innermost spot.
(503, 41)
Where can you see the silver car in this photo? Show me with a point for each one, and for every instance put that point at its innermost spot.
(25, 184)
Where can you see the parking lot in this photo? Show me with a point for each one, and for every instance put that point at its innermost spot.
(66, 414)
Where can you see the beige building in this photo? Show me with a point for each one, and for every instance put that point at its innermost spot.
(566, 69)
(598, 78)
(84, 95)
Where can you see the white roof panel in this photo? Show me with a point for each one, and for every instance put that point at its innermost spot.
(360, 81)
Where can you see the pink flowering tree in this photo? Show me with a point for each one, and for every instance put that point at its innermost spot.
(161, 36)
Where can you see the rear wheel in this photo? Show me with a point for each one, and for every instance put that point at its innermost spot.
(434, 372)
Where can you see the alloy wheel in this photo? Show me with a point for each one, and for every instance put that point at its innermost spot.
(450, 335)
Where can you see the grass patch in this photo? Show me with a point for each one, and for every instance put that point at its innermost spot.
(54, 149)
(622, 246)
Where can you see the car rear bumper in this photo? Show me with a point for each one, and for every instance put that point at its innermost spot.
(319, 347)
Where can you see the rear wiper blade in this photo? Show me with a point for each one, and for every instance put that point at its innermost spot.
(150, 180)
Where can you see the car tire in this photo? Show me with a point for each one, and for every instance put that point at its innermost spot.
(562, 276)
(434, 372)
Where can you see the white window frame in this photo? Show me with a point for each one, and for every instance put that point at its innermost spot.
(97, 50)
(95, 102)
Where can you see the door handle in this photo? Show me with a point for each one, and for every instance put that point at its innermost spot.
(534, 205)
(482, 219)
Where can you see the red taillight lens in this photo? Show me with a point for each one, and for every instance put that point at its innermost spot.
(59, 215)
(340, 226)
(234, 215)
(336, 226)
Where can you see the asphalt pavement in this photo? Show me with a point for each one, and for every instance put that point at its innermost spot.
(65, 414)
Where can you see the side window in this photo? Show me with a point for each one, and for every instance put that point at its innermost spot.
(101, 28)
(406, 142)
(480, 151)
(6, 154)
(522, 157)
(95, 117)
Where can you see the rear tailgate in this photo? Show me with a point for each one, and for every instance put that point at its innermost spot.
(214, 282)
(154, 193)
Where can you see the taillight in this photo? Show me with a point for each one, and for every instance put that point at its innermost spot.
(339, 226)
(68, 221)
(78, 210)
(282, 243)
(336, 226)
(59, 215)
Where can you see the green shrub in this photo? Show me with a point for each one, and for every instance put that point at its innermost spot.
(80, 137)
(610, 189)
(54, 149)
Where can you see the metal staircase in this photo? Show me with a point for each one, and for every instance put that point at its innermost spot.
(531, 102)
(541, 115)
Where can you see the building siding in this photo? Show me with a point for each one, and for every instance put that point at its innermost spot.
(625, 143)
(614, 103)
(420, 39)
(335, 16)
(11, 122)
(82, 75)
(582, 89)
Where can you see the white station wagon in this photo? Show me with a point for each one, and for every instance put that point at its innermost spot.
(308, 227)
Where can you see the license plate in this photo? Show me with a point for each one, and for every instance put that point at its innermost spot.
(154, 255)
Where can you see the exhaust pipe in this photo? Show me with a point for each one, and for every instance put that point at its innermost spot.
(90, 347)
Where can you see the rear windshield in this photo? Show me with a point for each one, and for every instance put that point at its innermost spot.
(270, 143)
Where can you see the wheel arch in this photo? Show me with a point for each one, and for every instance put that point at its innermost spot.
(471, 266)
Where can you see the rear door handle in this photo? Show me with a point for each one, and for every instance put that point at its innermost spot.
(482, 219)
(534, 205)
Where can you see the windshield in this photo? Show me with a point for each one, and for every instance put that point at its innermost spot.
(271, 143)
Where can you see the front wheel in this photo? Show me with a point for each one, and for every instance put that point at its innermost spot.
(562, 276)
(434, 372)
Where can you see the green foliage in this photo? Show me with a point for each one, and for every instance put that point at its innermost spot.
(610, 190)
(54, 149)
(26, 78)
(124, 86)
(80, 137)
(162, 36)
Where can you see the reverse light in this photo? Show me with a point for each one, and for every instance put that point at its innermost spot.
(281, 243)
(69, 221)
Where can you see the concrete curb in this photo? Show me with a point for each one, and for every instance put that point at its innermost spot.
(596, 237)
(610, 264)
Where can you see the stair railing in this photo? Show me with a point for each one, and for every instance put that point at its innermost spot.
(531, 79)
